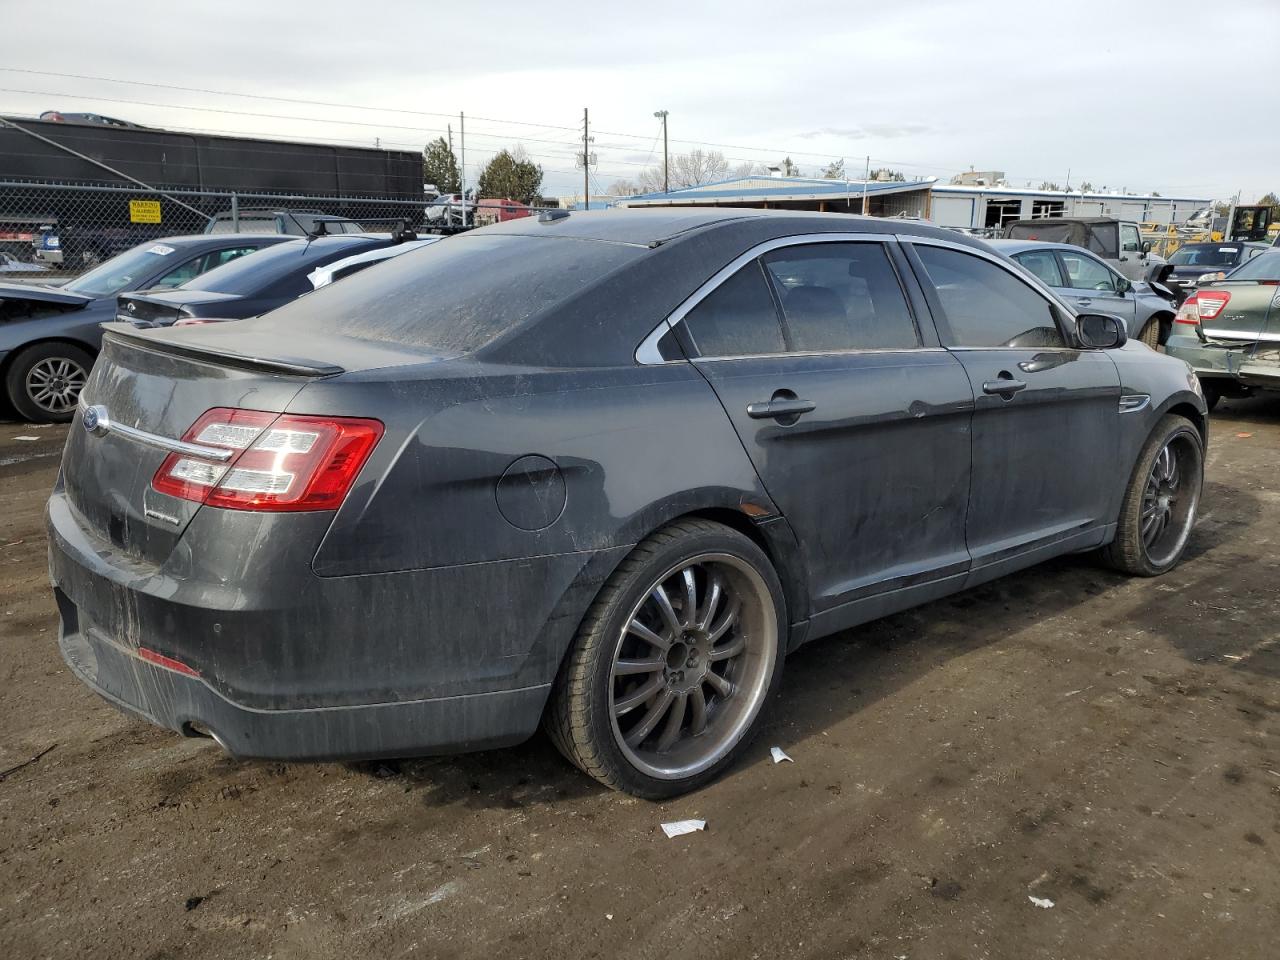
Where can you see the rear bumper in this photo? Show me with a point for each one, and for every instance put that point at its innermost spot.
(295, 666)
(189, 706)
(1238, 363)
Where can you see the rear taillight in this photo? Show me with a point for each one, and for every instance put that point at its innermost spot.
(1202, 305)
(1212, 302)
(1189, 312)
(278, 462)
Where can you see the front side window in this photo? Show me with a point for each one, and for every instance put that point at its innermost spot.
(987, 306)
(738, 318)
(840, 296)
(1130, 242)
(1042, 264)
(1086, 273)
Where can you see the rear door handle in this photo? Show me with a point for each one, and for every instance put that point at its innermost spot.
(779, 409)
(1005, 388)
(1084, 301)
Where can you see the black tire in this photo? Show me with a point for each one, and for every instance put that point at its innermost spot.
(1145, 545)
(1212, 393)
(62, 367)
(589, 702)
(1150, 334)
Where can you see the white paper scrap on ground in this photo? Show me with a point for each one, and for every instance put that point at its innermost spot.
(778, 755)
(681, 827)
(28, 439)
(1042, 902)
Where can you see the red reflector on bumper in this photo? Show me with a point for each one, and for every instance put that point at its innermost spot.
(160, 660)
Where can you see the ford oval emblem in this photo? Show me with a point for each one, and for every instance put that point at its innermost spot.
(95, 420)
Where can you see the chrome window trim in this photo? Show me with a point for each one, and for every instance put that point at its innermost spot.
(647, 353)
(817, 353)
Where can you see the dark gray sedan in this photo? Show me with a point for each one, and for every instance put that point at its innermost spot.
(598, 471)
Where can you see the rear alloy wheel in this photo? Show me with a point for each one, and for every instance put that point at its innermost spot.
(45, 380)
(674, 662)
(1160, 504)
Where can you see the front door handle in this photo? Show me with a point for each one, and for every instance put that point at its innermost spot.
(1084, 301)
(780, 408)
(1005, 388)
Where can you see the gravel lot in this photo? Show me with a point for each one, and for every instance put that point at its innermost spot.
(1066, 734)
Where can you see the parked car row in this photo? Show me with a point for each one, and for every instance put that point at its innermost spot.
(50, 334)
(600, 472)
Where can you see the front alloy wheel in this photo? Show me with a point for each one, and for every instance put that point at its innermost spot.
(1160, 503)
(673, 663)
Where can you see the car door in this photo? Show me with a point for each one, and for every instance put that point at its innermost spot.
(1045, 440)
(854, 417)
(1093, 287)
(1132, 259)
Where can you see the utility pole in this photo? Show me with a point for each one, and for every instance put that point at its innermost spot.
(462, 165)
(666, 179)
(865, 180)
(586, 161)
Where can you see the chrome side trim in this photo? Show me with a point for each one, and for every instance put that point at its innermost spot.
(105, 426)
(648, 349)
(1133, 402)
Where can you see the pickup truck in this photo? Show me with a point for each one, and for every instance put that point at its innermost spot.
(1118, 242)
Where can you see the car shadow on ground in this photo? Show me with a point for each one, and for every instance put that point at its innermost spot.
(828, 680)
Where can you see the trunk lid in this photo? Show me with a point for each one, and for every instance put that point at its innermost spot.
(1244, 317)
(160, 381)
(163, 309)
(145, 384)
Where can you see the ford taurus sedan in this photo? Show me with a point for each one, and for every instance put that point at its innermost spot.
(598, 471)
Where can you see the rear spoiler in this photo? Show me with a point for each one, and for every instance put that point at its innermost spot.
(145, 339)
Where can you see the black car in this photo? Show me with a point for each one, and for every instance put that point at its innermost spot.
(1205, 262)
(601, 471)
(250, 287)
(49, 334)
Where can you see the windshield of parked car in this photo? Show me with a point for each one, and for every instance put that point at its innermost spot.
(124, 272)
(1265, 267)
(458, 295)
(1204, 255)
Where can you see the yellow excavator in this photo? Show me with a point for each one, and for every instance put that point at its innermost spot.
(1243, 222)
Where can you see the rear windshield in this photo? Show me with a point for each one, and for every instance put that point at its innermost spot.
(1265, 267)
(255, 273)
(1204, 255)
(457, 295)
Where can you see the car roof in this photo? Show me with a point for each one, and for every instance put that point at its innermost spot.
(656, 226)
(187, 241)
(1010, 247)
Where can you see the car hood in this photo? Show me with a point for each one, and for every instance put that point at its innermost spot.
(36, 294)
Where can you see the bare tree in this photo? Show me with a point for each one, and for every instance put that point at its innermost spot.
(687, 170)
(834, 170)
(624, 188)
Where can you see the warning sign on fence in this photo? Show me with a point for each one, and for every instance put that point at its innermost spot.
(144, 211)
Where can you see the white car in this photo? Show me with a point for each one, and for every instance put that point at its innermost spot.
(11, 264)
(323, 276)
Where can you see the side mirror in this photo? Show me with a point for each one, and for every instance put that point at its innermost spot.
(1123, 286)
(1146, 247)
(1101, 331)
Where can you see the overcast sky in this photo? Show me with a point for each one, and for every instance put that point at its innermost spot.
(1141, 96)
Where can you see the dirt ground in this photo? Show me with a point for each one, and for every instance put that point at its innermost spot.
(1065, 734)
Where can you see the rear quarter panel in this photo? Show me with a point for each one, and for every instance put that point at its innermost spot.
(632, 448)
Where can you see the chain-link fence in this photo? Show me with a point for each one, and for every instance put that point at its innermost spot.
(58, 230)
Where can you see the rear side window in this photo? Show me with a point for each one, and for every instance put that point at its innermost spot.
(986, 305)
(840, 296)
(737, 319)
(1042, 264)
